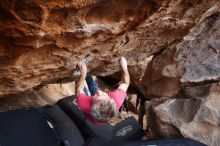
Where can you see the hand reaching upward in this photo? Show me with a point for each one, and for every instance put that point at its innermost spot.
(83, 68)
(125, 74)
(80, 82)
(123, 63)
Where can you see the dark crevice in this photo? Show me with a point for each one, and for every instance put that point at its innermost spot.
(133, 88)
(193, 84)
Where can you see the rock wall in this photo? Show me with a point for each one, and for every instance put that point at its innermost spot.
(196, 117)
(187, 75)
(193, 61)
(41, 41)
(37, 97)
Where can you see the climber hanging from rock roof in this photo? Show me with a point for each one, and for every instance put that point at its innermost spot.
(100, 107)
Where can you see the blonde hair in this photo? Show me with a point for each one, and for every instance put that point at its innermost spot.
(103, 109)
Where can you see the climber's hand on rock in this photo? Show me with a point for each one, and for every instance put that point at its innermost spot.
(125, 75)
(83, 68)
(123, 64)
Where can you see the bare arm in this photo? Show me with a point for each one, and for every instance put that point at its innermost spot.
(81, 81)
(125, 75)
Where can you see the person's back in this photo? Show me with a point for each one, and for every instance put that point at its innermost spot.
(100, 107)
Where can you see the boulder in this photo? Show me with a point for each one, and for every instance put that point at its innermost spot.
(183, 83)
(192, 61)
(37, 97)
(41, 41)
(197, 117)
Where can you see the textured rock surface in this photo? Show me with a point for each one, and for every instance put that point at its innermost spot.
(41, 41)
(195, 60)
(197, 118)
(37, 97)
(187, 74)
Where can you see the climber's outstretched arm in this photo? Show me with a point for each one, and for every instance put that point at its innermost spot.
(81, 81)
(125, 74)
